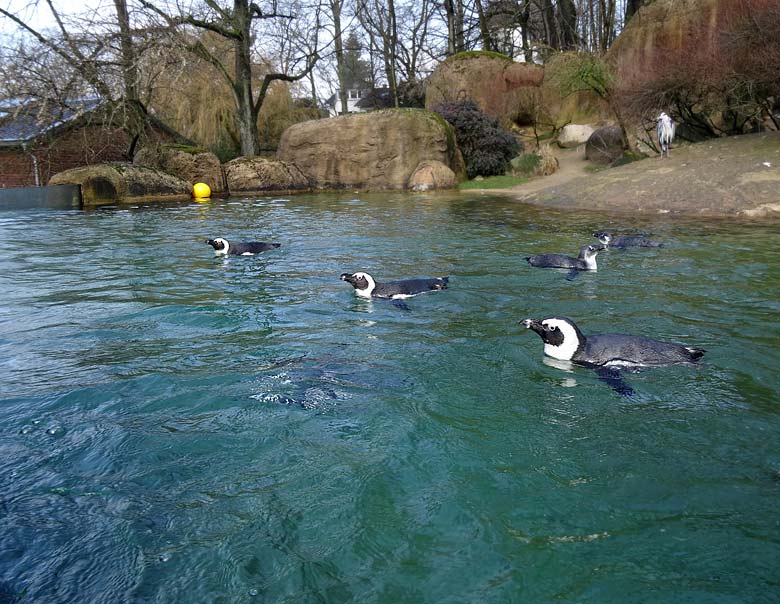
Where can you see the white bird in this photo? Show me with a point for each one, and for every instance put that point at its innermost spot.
(665, 130)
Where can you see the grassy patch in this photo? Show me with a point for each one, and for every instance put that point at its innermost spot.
(595, 167)
(492, 182)
(471, 54)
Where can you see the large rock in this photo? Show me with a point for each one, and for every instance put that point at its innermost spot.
(376, 150)
(432, 174)
(503, 89)
(111, 183)
(574, 135)
(190, 164)
(248, 174)
(605, 145)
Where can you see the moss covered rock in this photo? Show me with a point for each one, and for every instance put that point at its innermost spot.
(192, 164)
(112, 183)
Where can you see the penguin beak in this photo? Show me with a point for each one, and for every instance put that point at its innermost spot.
(534, 324)
(348, 278)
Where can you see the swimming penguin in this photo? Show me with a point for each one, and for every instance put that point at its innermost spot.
(366, 287)
(625, 241)
(563, 340)
(249, 248)
(586, 261)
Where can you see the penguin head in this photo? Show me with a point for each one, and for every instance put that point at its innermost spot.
(663, 116)
(219, 244)
(588, 254)
(363, 283)
(604, 236)
(561, 337)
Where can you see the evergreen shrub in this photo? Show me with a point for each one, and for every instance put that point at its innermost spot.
(487, 148)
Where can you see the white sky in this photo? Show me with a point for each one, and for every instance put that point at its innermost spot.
(37, 14)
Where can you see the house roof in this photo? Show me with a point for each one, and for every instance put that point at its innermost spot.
(28, 122)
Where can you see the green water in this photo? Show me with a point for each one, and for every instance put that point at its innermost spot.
(178, 427)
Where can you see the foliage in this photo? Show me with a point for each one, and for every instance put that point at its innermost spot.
(574, 72)
(486, 147)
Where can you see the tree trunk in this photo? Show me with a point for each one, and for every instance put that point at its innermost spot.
(134, 113)
(567, 21)
(484, 31)
(335, 7)
(390, 53)
(246, 114)
(631, 7)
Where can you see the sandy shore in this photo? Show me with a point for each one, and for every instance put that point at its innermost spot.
(734, 176)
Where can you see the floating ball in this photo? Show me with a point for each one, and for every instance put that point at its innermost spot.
(201, 189)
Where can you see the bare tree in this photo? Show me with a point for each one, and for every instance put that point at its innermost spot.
(379, 21)
(239, 25)
(98, 56)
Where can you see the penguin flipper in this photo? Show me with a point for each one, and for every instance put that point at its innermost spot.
(614, 379)
(572, 274)
(400, 304)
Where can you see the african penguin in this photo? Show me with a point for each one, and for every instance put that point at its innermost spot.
(249, 248)
(586, 261)
(625, 241)
(366, 287)
(563, 340)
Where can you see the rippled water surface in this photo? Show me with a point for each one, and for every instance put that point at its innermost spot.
(178, 427)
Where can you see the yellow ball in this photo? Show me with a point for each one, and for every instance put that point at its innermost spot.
(201, 189)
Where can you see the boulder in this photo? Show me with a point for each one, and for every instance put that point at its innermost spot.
(248, 174)
(376, 150)
(432, 174)
(188, 163)
(118, 182)
(574, 135)
(605, 145)
(505, 90)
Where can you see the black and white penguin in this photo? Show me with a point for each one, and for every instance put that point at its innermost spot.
(367, 287)
(563, 340)
(586, 261)
(248, 248)
(625, 241)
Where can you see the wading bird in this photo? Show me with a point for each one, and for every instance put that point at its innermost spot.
(665, 131)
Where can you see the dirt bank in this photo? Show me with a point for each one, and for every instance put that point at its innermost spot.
(735, 176)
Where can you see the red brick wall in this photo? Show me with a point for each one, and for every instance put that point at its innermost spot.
(82, 146)
(16, 168)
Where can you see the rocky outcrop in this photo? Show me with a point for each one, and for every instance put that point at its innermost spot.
(376, 150)
(111, 183)
(500, 87)
(249, 174)
(661, 30)
(605, 145)
(574, 135)
(187, 163)
(432, 174)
